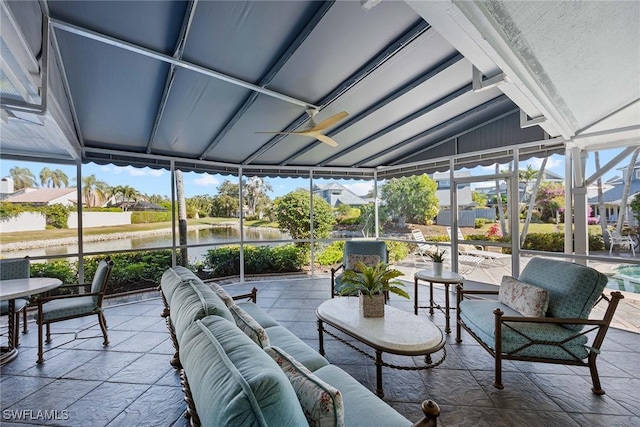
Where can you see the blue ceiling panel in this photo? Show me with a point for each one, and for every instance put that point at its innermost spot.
(151, 24)
(115, 92)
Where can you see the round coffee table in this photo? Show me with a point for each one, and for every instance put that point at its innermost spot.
(446, 278)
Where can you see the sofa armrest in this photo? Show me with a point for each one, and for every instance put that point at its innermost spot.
(431, 413)
(252, 296)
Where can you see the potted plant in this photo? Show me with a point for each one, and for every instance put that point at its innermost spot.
(438, 259)
(371, 283)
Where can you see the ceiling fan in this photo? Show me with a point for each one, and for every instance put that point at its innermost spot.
(314, 129)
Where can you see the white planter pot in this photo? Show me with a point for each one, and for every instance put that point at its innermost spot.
(437, 268)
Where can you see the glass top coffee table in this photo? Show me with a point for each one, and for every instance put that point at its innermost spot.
(398, 332)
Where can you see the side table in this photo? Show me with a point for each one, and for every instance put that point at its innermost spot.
(446, 278)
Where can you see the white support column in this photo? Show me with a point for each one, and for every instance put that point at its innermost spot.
(376, 202)
(174, 260)
(514, 214)
(581, 239)
(453, 200)
(80, 224)
(311, 243)
(240, 200)
(568, 229)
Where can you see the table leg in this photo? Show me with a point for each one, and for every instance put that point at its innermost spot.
(431, 298)
(447, 327)
(320, 338)
(379, 391)
(415, 296)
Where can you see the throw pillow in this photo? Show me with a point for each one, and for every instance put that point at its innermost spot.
(368, 260)
(526, 299)
(222, 294)
(249, 326)
(321, 402)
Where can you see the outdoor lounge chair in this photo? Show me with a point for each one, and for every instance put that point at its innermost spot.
(371, 252)
(616, 238)
(468, 262)
(495, 258)
(71, 306)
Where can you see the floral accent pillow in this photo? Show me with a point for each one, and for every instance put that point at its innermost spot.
(222, 294)
(249, 326)
(368, 260)
(526, 299)
(321, 402)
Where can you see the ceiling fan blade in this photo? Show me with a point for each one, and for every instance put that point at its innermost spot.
(281, 133)
(330, 121)
(326, 140)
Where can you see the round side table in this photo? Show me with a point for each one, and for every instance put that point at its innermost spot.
(446, 278)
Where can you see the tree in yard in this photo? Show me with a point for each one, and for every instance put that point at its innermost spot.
(411, 199)
(199, 206)
(53, 178)
(292, 212)
(526, 176)
(22, 178)
(127, 194)
(635, 206)
(255, 193)
(226, 202)
(479, 198)
(550, 199)
(94, 191)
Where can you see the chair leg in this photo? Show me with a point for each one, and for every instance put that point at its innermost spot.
(25, 329)
(16, 328)
(40, 349)
(103, 326)
(48, 333)
(595, 378)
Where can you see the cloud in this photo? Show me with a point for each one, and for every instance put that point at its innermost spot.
(206, 180)
(552, 162)
(360, 188)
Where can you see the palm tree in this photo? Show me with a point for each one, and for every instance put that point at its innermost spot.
(55, 178)
(22, 178)
(182, 217)
(94, 191)
(129, 193)
(525, 176)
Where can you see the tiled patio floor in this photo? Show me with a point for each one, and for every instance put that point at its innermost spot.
(131, 382)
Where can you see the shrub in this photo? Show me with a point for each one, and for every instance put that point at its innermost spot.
(479, 222)
(331, 255)
(149, 217)
(63, 270)
(293, 209)
(397, 251)
(57, 215)
(262, 259)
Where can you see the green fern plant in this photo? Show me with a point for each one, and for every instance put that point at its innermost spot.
(372, 280)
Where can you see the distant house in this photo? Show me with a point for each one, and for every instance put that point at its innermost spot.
(444, 184)
(44, 196)
(613, 196)
(337, 194)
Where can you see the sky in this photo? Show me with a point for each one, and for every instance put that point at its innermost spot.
(157, 181)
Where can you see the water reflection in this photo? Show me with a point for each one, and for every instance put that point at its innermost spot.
(211, 235)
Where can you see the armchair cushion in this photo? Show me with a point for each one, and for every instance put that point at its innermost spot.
(321, 403)
(528, 300)
(20, 304)
(573, 288)
(478, 315)
(368, 260)
(249, 326)
(14, 269)
(68, 307)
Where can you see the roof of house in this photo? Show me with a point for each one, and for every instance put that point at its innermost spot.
(346, 196)
(41, 195)
(614, 195)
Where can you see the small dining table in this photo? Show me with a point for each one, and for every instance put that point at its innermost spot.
(16, 288)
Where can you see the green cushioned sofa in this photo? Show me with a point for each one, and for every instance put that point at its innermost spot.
(229, 380)
(564, 335)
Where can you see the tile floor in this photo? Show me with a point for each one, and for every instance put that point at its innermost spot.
(131, 383)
